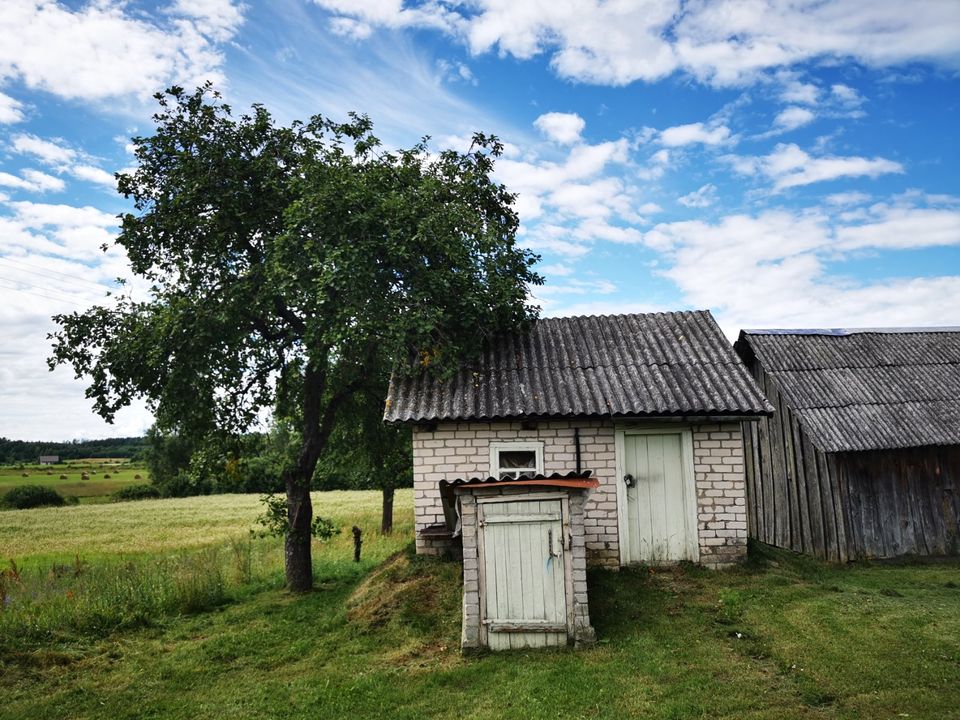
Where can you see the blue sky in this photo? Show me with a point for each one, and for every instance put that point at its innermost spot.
(782, 164)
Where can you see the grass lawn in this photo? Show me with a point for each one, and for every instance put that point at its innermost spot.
(780, 638)
(104, 477)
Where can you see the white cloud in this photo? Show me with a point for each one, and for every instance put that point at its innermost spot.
(454, 71)
(218, 19)
(789, 166)
(793, 117)
(94, 174)
(55, 153)
(680, 135)
(32, 181)
(796, 92)
(11, 111)
(350, 28)
(704, 197)
(563, 128)
(49, 151)
(103, 49)
(846, 95)
(558, 269)
(723, 42)
(847, 198)
(771, 269)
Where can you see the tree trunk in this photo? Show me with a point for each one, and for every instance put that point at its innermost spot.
(297, 555)
(386, 520)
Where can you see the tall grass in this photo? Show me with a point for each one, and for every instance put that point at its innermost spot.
(43, 604)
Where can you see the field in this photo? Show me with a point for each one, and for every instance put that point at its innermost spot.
(780, 638)
(104, 477)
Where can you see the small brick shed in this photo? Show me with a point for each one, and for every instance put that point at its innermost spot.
(651, 403)
(524, 560)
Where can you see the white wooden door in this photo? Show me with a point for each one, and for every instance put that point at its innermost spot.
(524, 578)
(660, 505)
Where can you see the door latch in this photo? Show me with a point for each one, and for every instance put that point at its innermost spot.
(629, 481)
(550, 544)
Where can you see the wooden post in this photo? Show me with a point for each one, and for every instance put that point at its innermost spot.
(357, 542)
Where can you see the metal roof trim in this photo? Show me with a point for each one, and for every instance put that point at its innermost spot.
(842, 332)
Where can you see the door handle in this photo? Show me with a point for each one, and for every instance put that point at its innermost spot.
(629, 480)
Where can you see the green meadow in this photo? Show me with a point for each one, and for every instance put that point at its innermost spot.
(170, 609)
(104, 476)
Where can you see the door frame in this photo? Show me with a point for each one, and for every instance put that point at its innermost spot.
(689, 484)
(567, 544)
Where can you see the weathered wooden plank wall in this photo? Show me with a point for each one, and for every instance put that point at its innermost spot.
(904, 502)
(794, 491)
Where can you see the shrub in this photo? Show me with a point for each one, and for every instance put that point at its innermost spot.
(31, 496)
(135, 492)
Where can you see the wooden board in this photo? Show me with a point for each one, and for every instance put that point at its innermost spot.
(524, 573)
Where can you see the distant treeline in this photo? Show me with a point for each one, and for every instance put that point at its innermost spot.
(24, 451)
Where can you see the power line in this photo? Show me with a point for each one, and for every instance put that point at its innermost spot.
(41, 293)
(66, 291)
(46, 271)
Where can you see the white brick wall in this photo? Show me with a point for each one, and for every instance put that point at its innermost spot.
(721, 493)
(463, 450)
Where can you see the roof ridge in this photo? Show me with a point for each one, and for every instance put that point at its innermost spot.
(621, 315)
(844, 332)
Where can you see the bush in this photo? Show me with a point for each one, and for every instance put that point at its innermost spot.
(135, 492)
(31, 496)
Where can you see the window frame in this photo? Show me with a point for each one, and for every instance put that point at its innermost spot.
(498, 446)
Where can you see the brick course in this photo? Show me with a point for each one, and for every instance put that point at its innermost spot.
(462, 449)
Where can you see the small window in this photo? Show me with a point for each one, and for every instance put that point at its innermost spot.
(513, 459)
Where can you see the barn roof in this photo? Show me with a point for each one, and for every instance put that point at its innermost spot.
(652, 364)
(870, 389)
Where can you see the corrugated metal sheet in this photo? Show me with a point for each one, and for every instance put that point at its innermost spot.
(866, 390)
(654, 364)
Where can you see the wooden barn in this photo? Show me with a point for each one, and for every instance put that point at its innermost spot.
(862, 457)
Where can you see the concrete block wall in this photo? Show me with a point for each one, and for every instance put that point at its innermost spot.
(462, 449)
(721, 494)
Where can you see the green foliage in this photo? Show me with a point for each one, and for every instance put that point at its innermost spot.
(363, 452)
(291, 268)
(136, 492)
(32, 496)
(168, 456)
(217, 463)
(275, 521)
(25, 451)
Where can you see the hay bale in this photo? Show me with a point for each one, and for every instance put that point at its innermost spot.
(24, 475)
(84, 476)
(63, 477)
(137, 477)
(106, 476)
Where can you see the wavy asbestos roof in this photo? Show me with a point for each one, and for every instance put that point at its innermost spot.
(873, 389)
(653, 364)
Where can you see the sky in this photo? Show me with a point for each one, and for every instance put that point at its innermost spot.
(782, 164)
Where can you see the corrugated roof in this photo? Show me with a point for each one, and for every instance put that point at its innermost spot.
(572, 479)
(653, 364)
(871, 389)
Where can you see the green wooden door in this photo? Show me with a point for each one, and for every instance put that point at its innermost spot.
(524, 580)
(661, 524)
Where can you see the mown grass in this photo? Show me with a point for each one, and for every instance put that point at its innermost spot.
(780, 638)
(97, 488)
